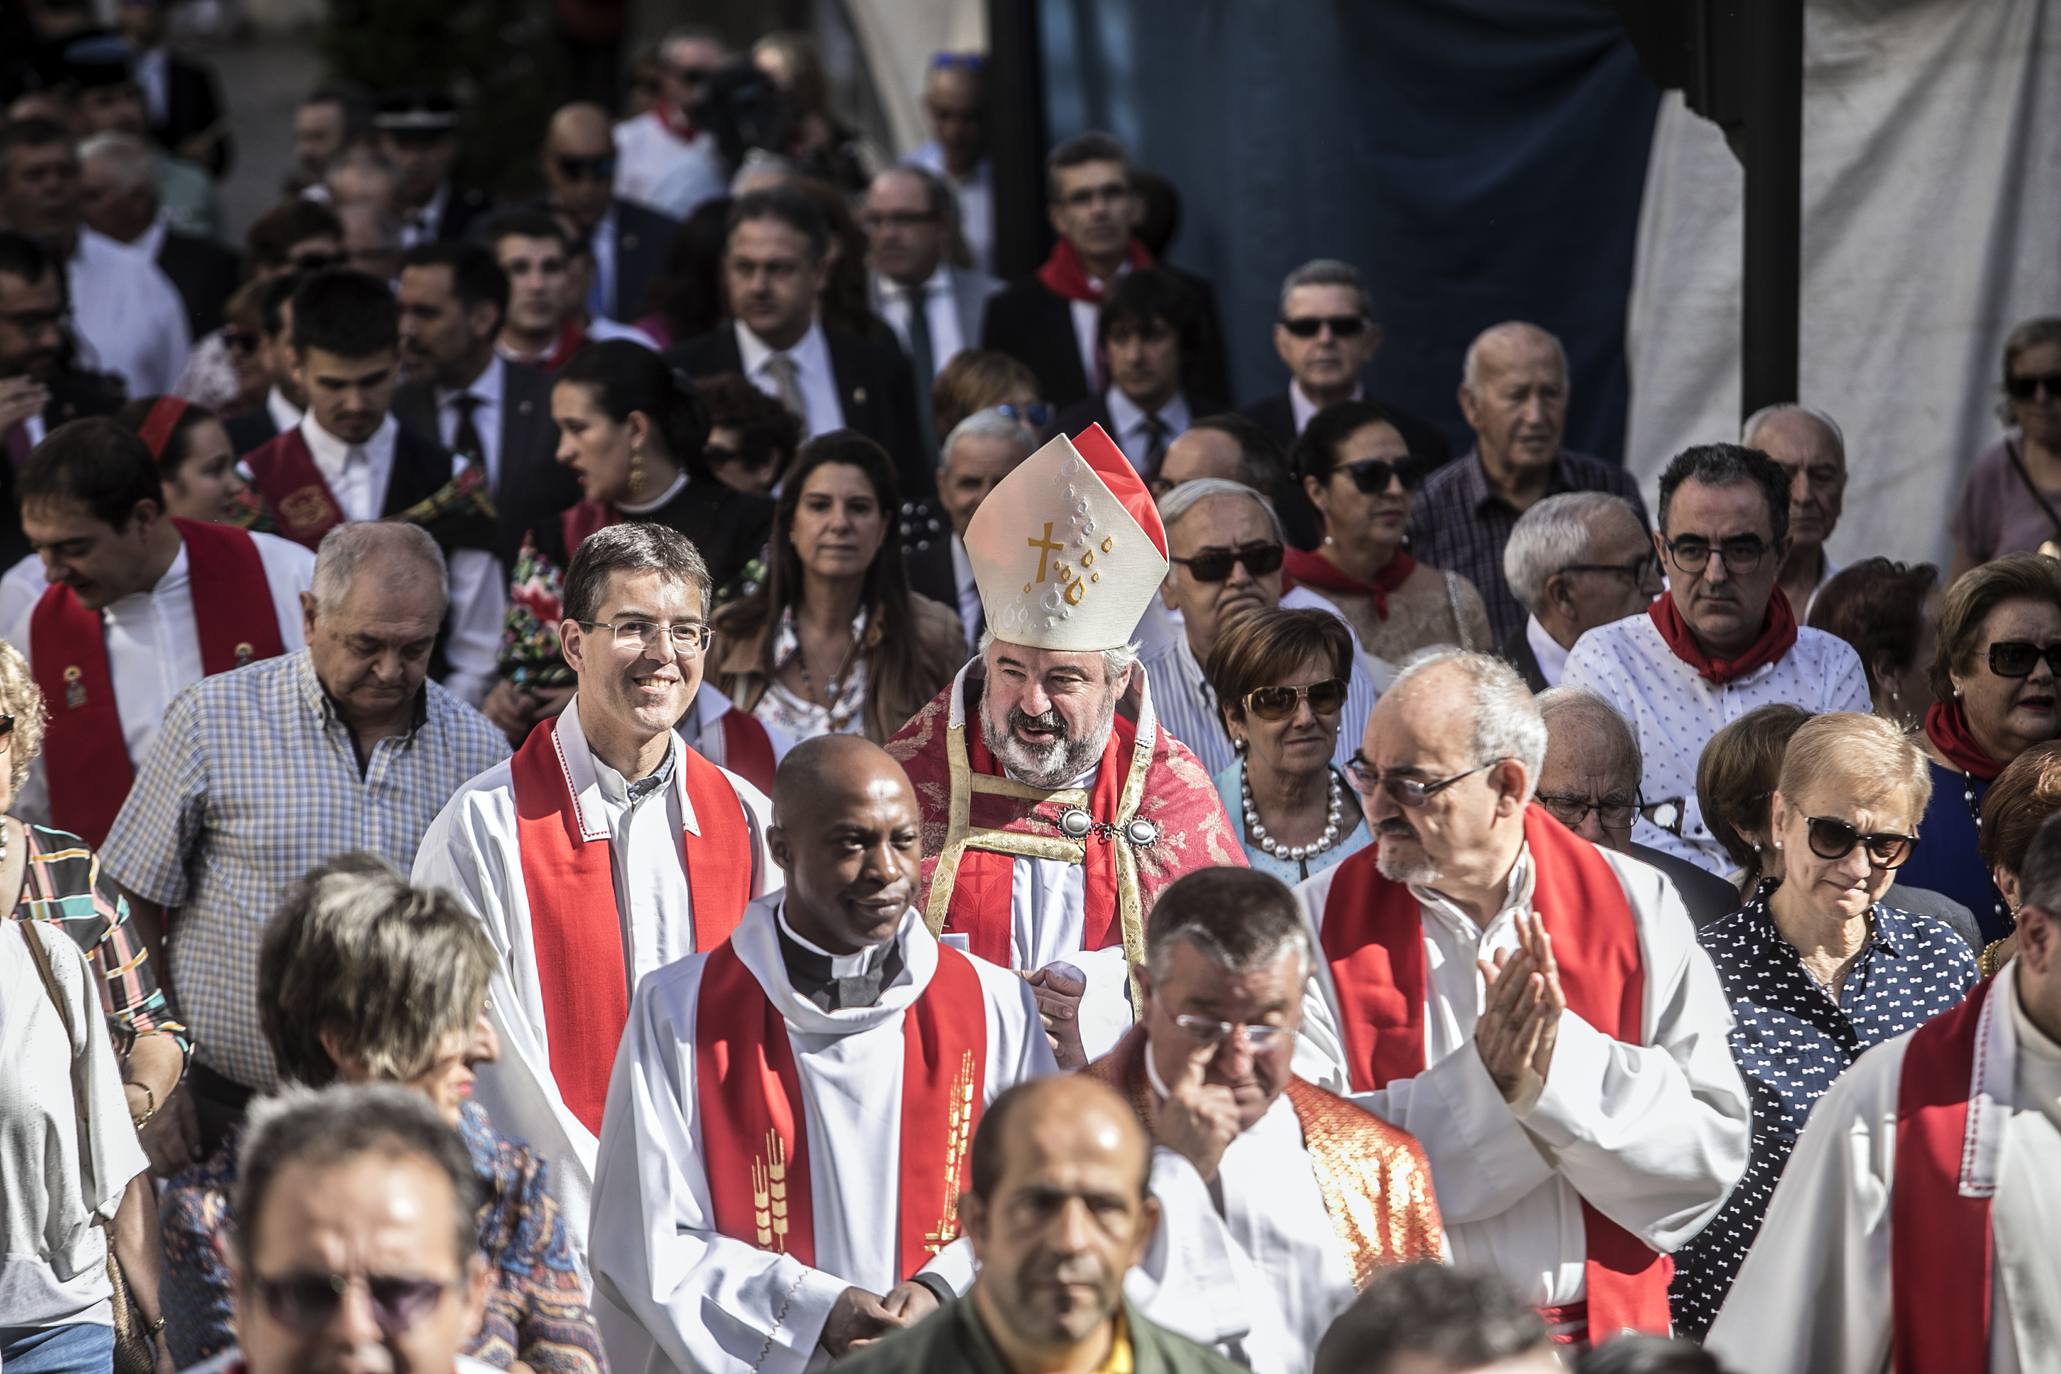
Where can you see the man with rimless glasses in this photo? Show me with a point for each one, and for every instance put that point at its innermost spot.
(1533, 1009)
(1722, 641)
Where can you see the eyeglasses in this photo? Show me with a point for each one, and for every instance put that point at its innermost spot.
(308, 1302)
(1640, 570)
(1204, 1031)
(971, 61)
(688, 639)
(1414, 793)
(691, 76)
(1572, 808)
(241, 341)
(1341, 326)
(2015, 658)
(1036, 414)
(1741, 556)
(2025, 388)
(1835, 839)
(316, 262)
(1326, 698)
(1372, 475)
(586, 168)
(1214, 565)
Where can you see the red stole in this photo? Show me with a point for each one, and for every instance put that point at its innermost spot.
(1777, 637)
(1946, 725)
(755, 1133)
(573, 926)
(1939, 1239)
(1063, 274)
(748, 749)
(284, 472)
(1373, 940)
(236, 623)
(1312, 569)
(981, 908)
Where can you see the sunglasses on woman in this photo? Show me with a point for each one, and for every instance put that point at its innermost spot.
(2015, 657)
(2025, 388)
(1214, 565)
(308, 1302)
(1326, 698)
(1835, 839)
(1372, 475)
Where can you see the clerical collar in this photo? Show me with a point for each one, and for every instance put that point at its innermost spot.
(834, 982)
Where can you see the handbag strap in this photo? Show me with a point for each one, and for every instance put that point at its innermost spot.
(48, 973)
(2025, 476)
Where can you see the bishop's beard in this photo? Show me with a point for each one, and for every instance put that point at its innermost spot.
(1057, 763)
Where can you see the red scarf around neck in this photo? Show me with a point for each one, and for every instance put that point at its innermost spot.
(1777, 637)
(570, 882)
(1313, 569)
(1064, 275)
(1373, 939)
(754, 1118)
(1946, 725)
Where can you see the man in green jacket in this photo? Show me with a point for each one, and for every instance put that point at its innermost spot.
(1058, 1213)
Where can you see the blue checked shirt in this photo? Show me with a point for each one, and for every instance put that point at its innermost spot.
(252, 781)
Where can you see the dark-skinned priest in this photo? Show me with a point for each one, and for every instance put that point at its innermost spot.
(788, 1127)
(1055, 808)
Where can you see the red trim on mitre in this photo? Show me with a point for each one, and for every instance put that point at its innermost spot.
(1107, 461)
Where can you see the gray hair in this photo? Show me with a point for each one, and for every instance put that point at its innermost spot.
(991, 423)
(127, 157)
(1470, 365)
(1188, 495)
(1238, 918)
(1767, 413)
(349, 546)
(634, 546)
(1595, 711)
(1115, 662)
(340, 1124)
(1552, 534)
(1507, 724)
(1325, 272)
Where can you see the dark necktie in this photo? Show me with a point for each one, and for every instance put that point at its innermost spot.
(923, 361)
(1155, 445)
(465, 438)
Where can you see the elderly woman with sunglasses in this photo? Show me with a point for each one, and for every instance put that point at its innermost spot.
(1358, 471)
(2011, 498)
(1280, 681)
(1996, 680)
(1817, 966)
(363, 978)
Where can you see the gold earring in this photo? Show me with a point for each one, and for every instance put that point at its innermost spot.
(636, 470)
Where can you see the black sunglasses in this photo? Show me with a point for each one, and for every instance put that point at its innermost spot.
(586, 168)
(1342, 326)
(1214, 565)
(1372, 475)
(1278, 703)
(308, 1302)
(2025, 388)
(1036, 414)
(2015, 658)
(6, 726)
(1835, 839)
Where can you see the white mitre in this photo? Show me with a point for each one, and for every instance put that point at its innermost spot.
(1068, 550)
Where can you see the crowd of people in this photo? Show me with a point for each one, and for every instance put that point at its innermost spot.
(674, 776)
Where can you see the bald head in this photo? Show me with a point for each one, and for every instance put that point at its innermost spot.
(1591, 754)
(848, 837)
(581, 125)
(1513, 391)
(579, 163)
(1811, 452)
(1069, 1116)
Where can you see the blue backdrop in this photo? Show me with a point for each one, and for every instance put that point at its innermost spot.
(1479, 160)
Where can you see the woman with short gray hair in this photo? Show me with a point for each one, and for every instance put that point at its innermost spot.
(365, 979)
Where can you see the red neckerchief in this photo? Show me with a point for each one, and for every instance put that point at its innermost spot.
(1313, 569)
(1946, 725)
(1777, 637)
(677, 121)
(1063, 274)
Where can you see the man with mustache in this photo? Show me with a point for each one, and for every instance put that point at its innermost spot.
(1533, 1009)
(1056, 807)
(1722, 641)
(604, 850)
(1811, 450)
(789, 1122)
(1280, 1199)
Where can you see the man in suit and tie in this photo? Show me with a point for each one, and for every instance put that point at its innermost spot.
(630, 243)
(933, 306)
(980, 451)
(181, 97)
(417, 134)
(1048, 320)
(463, 394)
(119, 195)
(775, 260)
(1145, 336)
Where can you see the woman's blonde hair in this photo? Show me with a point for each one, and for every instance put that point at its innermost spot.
(21, 698)
(1864, 757)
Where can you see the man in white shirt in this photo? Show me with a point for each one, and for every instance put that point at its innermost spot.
(980, 451)
(124, 310)
(604, 850)
(1721, 642)
(1914, 1227)
(865, 1054)
(1536, 1011)
(1810, 448)
(955, 98)
(137, 606)
(663, 159)
(1576, 561)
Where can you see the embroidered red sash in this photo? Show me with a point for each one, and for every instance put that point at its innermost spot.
(1777, 637)
(233, 616)
(1939, 1240)
(980, 908)
(284, 472)
(754, 1128)
(1313, 569)
(571, 888)
(748, 749)
(1373, 940)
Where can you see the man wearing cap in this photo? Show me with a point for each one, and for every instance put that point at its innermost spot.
(1055, 809)
(418, 134)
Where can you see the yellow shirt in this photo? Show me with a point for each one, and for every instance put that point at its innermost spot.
(1120, 1360)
